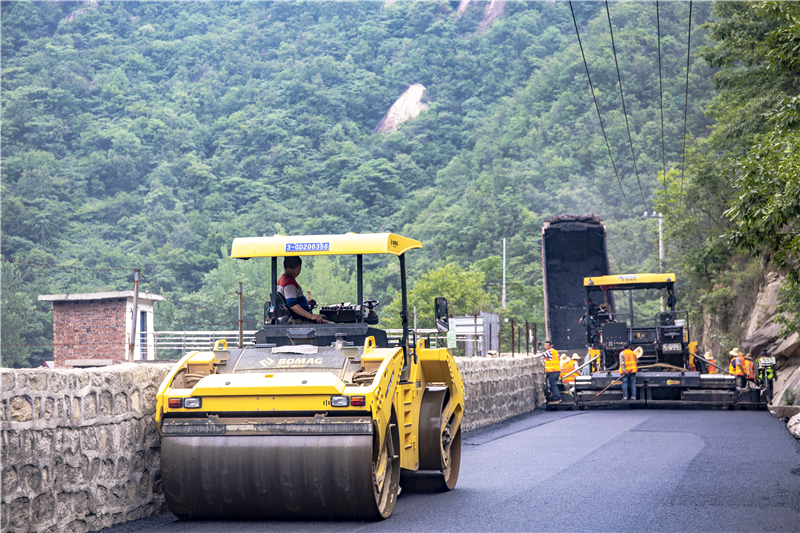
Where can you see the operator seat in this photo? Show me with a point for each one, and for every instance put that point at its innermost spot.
(282, 311)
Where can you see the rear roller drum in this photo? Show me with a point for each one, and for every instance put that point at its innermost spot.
(440, 447)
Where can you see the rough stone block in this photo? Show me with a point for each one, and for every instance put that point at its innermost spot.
(21, 408)
(43, 509)
(127, 380)
(31, 478)
(10, 480)
(113, 380)
(76, 408)
(136, 407)
(90, 406)
(149, 397)
(120, 403)
(37, 381)
(9, 380)
(89, 439)
(83, 379)
(58, 382)
(106, 404)
(20, 513)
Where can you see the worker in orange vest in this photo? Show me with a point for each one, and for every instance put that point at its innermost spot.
(627, 370)
(749, 369)
(736, 367)
(568, 365)
(552, 369)
(710, 358)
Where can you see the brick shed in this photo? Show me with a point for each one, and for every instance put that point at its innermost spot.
(93, 329)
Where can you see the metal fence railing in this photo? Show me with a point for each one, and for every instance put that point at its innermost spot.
(176, 344)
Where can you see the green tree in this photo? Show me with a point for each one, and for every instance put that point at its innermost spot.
(463, 288)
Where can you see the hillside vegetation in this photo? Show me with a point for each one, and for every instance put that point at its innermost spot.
(149, 135)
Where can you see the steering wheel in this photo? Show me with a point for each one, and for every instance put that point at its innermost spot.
(371, 304)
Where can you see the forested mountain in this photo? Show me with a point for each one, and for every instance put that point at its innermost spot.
(149, 135)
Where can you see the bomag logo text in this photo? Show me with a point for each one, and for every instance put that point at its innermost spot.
(301, 361)
(395, 244)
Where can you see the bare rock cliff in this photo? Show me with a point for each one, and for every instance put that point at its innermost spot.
(408, 106)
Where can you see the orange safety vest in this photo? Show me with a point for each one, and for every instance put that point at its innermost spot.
(735, 368)
(630, 362)
(554, 363)
(712, 369)
(569, 366)
(749, 370)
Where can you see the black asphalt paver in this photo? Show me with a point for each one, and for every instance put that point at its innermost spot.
(594, 471)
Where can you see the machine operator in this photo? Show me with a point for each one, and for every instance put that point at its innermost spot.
(291, 291)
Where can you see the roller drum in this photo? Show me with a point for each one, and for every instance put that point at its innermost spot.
(269, 477)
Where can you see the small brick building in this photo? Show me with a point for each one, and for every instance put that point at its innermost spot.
(93, 329)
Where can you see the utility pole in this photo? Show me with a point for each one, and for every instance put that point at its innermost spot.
(660, 245)
(132, 343)
(504, 274)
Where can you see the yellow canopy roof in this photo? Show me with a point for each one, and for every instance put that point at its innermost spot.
(347, 244)
(630, 281)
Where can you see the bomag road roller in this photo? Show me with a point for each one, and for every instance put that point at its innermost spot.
(312, 421)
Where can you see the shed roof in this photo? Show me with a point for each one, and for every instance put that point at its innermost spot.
(85, 296)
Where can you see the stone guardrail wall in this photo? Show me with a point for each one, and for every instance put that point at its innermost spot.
(80, 449)
(500, 388)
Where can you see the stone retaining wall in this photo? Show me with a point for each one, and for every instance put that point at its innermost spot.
(500, 388)
(80, 450)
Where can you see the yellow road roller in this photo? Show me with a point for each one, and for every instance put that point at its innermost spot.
(312, 420)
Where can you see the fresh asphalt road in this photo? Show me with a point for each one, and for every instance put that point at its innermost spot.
(594, 471)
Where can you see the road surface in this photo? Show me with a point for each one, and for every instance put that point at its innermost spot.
(594, 471)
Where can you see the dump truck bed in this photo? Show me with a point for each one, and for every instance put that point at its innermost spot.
(573, 248)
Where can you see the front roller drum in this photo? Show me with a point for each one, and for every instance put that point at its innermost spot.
(439, 447)
(261, 477)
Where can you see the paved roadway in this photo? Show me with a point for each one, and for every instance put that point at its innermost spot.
(594, 471)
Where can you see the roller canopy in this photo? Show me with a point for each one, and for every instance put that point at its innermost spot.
(631, 281)
(348, 244)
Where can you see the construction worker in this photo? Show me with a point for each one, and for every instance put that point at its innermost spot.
(568, 365)
(711, 362)
(736, 367)
(749, 369)
(552, 368)
(627, 371)
(765, 376)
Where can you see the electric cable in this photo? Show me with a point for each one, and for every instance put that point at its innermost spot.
(661, 98)
(624, 111)
(597, 107)
(686, 102)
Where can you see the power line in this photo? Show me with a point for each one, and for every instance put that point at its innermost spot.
(661, 97)
(597, 107)
(624, 111)
(686, 102)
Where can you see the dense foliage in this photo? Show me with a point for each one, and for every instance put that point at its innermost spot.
(742, 188)
(149, 135)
